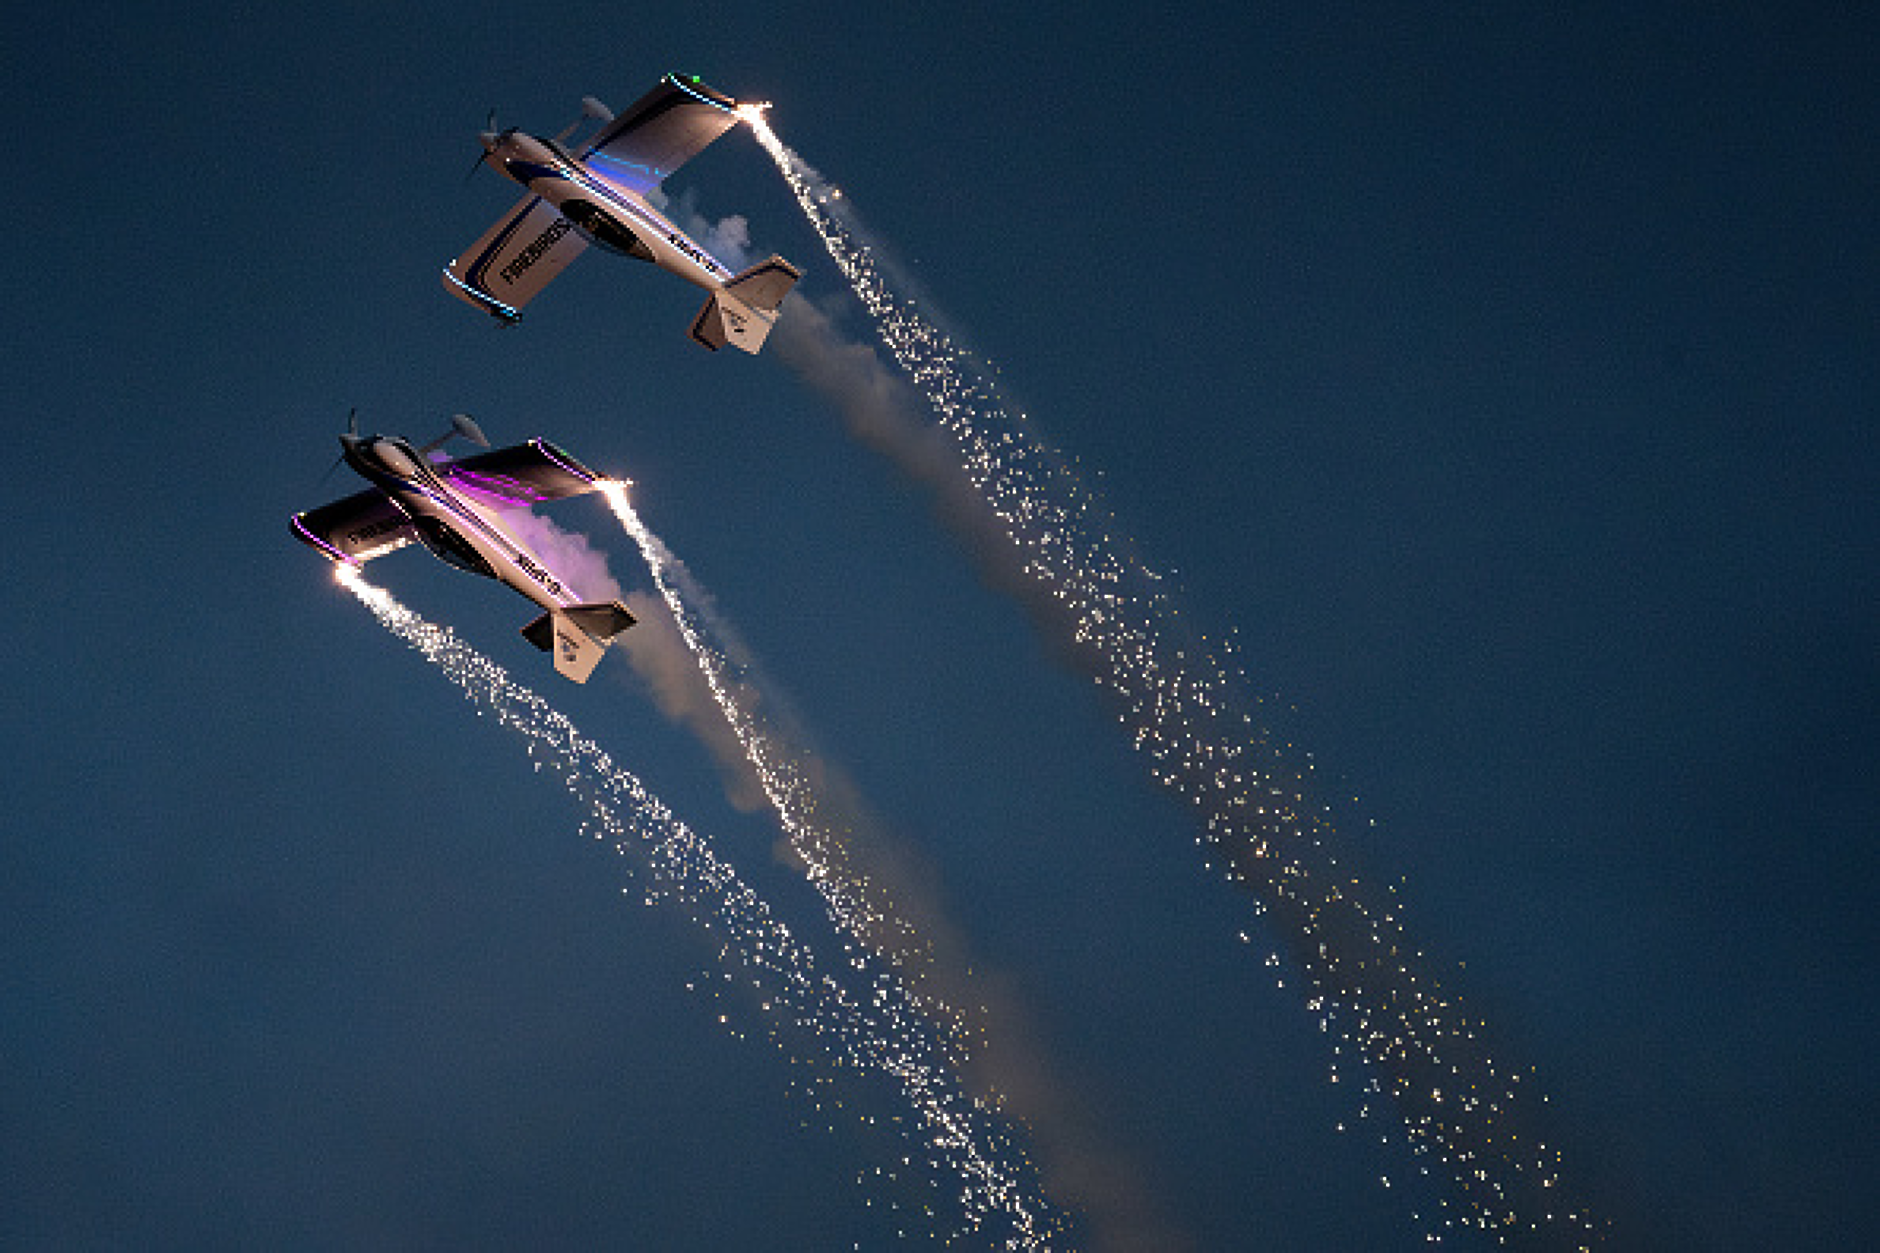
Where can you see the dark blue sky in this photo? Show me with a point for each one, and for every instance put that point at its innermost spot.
(1506, 382)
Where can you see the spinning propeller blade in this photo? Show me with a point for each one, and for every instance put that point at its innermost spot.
(352, 429)
(487, 138)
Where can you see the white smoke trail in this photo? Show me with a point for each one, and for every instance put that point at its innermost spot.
(700, 674)
(1176, 699)
(875, 888)
(654, 649)
(786, 777)
(877, 1033)
(995, 1175)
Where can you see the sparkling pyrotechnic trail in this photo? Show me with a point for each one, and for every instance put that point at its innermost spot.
(1176, 696)
(961, 1133)
(879, 1033)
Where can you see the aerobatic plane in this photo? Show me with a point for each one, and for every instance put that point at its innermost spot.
(599, 195)
(457, 510)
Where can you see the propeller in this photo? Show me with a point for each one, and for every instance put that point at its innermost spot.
(488, 139)
(352, 429)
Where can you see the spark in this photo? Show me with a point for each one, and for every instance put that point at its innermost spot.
(994, 1173)
(874, 1032)
(1177, 699)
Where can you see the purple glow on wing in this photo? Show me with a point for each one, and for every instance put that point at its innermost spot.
(498, 488)
(300, 529)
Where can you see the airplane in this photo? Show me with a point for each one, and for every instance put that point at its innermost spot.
(598, 195)
(456, 509)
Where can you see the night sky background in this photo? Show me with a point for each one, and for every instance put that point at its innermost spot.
(1506, 381)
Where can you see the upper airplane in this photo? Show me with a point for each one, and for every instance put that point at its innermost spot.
(456, 509)
(598, 195)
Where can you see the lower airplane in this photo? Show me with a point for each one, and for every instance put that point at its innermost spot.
(599, 194)
(456, 509)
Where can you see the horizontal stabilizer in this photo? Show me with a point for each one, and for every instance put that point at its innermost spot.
(765, 284)
(744, 310)
(602, 621)
(577, 636)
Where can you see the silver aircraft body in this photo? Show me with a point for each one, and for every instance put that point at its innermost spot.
(598, 195)
(459, 509)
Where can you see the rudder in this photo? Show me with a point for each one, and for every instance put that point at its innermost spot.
(727, 320)
(577, 636)
(743, 311)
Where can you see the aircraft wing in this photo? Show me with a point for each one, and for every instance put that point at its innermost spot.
(526, 474)
(660, 132)
(356, 528)
(515, 259)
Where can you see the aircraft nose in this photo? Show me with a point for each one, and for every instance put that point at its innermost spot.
(489, 140)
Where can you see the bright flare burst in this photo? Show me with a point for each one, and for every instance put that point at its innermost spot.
(1367, 981)
(877, 1034)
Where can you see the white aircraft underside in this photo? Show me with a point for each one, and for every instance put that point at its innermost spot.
(599, 196)
(456, 509)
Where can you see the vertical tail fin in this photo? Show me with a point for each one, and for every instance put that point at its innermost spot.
(745, 309)
(577, 636)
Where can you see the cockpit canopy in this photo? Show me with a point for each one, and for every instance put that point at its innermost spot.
(604, 230)
(451, 547)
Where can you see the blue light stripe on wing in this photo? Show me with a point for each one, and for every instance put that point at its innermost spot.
(638, 175)
(483, 298)
(691, 91)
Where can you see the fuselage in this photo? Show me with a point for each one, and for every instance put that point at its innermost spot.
(607, 211)
(451, 523)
